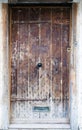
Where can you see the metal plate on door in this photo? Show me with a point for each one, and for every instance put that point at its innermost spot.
(41, 109)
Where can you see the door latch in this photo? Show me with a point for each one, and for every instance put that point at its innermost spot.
(68, 49)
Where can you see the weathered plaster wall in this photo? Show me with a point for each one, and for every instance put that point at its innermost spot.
(3, 67)
(79, 65)
(76, 1)
(76, 71)
(73, 85)
(3, 1)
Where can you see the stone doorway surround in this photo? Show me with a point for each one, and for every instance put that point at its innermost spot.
(75, 66)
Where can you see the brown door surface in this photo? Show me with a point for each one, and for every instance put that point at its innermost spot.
(40, 63)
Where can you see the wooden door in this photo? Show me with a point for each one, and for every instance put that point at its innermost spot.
(40, 63)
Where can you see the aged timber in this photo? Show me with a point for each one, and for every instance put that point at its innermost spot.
(40, 63)
(38, 1)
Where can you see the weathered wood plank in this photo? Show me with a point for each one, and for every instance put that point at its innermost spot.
(40, 62)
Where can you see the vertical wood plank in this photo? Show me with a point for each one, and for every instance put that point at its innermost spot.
(40, 35)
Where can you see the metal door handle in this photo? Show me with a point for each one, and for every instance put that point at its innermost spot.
(39, 65)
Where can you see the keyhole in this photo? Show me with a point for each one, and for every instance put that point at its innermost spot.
(39, 65)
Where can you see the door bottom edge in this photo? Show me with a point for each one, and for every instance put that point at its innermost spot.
(41, 126)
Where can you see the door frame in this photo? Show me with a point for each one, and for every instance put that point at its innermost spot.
(5, 73)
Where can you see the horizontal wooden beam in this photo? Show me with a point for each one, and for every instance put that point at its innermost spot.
(39, 1)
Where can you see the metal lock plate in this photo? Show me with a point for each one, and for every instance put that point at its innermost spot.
(41, 109)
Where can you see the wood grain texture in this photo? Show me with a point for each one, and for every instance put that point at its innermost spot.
(40, 36)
